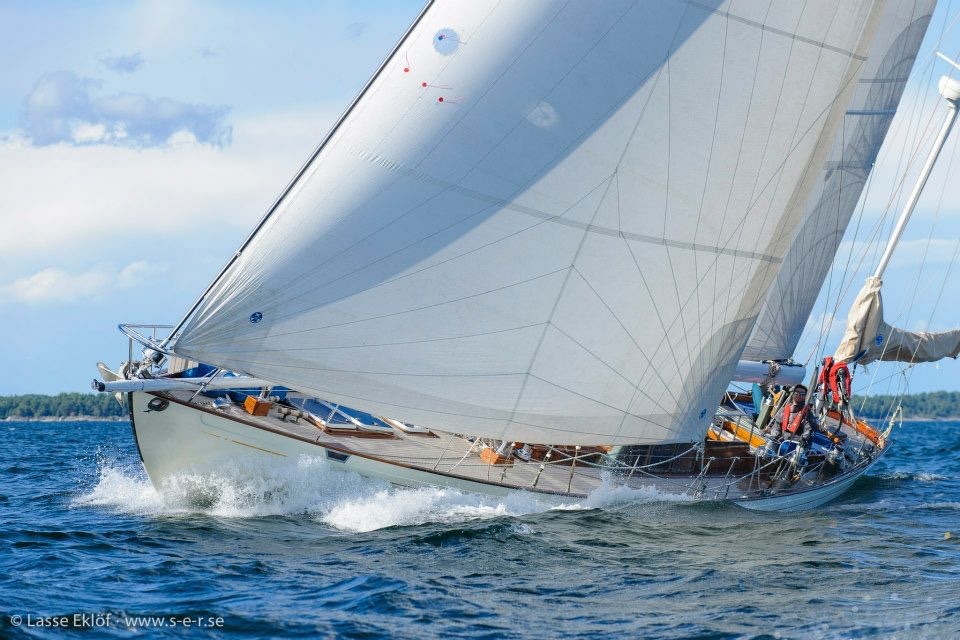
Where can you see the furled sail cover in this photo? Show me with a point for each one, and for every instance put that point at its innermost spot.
(869, 338)
(841, 181)
(544, 221)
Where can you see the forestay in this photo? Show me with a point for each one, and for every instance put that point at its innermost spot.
(547, 222)
(841, 181)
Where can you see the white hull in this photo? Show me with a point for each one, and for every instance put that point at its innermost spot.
(809, 499)
(183, 437)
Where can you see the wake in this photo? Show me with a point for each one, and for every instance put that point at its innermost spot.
(310, 487)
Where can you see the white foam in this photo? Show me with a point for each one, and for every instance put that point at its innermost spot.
(403, 507)
(252, 487)
(929, 477)
(119, 488)
(610, 494)
(919, 476)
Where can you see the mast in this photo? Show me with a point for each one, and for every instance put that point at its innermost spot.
(868, 337)
(950, 90)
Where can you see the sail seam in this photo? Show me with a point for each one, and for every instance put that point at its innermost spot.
(629, 333)
(382, 344)
(779, 32)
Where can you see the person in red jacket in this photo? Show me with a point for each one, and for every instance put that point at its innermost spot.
(795, 421)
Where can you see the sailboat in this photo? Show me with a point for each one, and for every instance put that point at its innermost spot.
(538, 247)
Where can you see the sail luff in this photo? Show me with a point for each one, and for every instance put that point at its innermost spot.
(519, 237)
(298, 176)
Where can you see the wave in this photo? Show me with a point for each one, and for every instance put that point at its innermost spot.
(311, 487)
(888, 505)
(918, 476)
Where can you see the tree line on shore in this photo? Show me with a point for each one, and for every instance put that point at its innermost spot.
(933, 405)
(62, 405)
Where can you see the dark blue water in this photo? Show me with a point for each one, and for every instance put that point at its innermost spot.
(307, 551)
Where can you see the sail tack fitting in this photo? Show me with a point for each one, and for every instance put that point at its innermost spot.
(770, 372)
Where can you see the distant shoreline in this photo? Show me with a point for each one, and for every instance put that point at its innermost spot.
(125, 418)
(67, 419)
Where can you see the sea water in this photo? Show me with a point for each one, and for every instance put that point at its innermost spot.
(302, 549)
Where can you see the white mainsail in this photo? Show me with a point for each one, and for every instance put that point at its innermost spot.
(842, 180)
(547, 222)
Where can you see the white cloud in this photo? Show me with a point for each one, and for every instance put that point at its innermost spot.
(128, 63)
(80, 202)
(64, 107)
(54, 284)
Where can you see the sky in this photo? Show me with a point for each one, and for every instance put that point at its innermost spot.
(140, 142)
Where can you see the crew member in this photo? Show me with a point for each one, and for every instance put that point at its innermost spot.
(795, 421)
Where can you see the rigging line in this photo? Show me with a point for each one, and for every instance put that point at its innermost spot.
(634, 385)
(783, 79)
(629, 334)
(911, 305)
(843, 151)
(366, 345)
(319, 287)
(746, 123)
(616, 172)
(556, 304)
(904, 370)
(646, 418)
(666, 203)
(706, 180)
(405, 311)
(896, 192)
(853, 70)
(778, 174)
(793, 35)
(924, 97)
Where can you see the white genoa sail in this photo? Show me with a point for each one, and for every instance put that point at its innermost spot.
(547, 222)
(869, 338)
(841, 182)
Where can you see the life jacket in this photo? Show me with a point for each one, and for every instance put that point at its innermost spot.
(835, 371)
(823, 380)
(791, 426)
